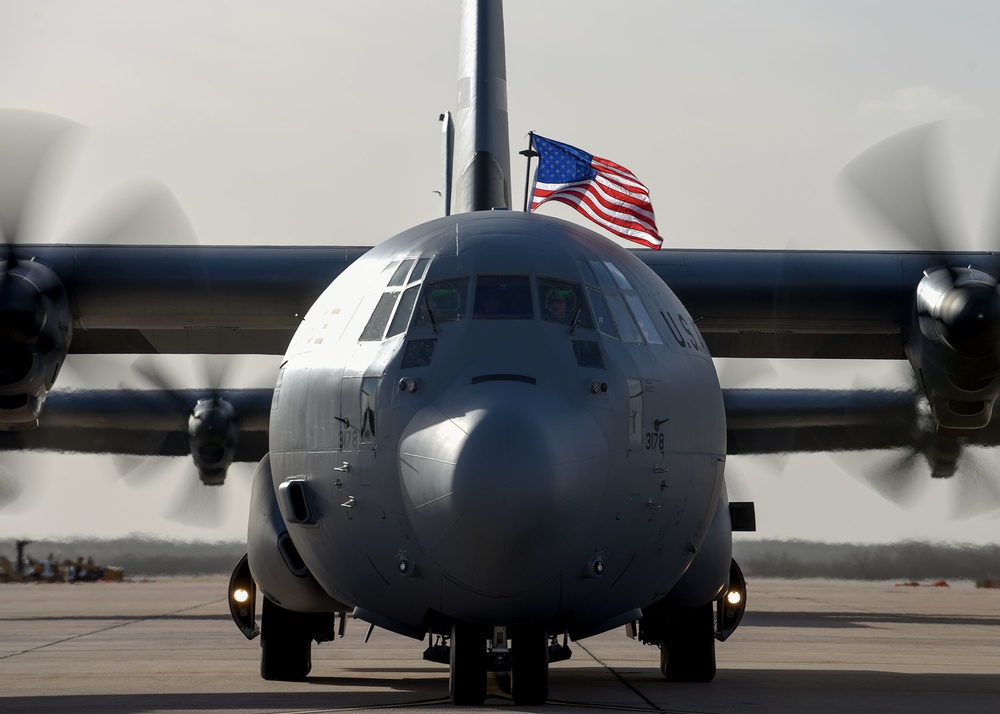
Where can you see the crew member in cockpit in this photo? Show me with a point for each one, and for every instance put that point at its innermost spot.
(559, 305)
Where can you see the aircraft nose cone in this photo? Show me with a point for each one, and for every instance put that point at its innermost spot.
(497, 473)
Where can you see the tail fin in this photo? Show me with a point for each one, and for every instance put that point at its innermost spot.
(482, 147)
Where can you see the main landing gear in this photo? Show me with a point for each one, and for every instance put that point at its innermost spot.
(474, 650)
(686, 636)
(286, 640)
(687, 651)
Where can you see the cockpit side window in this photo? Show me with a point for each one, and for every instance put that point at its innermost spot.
(418, 353)
(620, 280)
(418, 269)
(502, 297)
(403, 312)
(380, 318)
(443, 301)
(645, 322)
(601, 315)
(563, 302)
(627, 328)
(604, 278)
(399, 277)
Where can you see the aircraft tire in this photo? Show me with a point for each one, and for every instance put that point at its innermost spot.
(285, 644)
(687, 653)
(467, 680)
(529, 665)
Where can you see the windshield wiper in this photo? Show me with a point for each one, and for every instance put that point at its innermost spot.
(576, 318)
(430, 314)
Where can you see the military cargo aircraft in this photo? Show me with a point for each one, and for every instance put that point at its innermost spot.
(443, 454)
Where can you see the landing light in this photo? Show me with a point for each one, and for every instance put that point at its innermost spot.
(733, 597)
(241, 595)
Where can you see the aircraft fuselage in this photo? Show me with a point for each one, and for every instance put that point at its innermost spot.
(500, 418)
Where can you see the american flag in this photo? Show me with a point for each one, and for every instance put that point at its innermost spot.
(603, 191)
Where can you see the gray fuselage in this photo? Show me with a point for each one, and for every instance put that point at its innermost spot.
(500, 418)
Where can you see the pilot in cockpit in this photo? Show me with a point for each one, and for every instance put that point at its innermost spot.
(559, 305)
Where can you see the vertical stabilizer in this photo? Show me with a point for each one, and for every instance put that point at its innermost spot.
(482, 149)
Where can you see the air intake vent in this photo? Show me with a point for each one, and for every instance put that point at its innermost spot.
(291, 556)
(293, 495)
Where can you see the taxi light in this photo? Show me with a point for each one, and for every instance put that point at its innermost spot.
(733, 597)
(241, 595)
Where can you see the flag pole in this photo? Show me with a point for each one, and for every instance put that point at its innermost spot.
(529, 154)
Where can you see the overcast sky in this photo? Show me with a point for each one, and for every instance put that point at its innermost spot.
(316, 123)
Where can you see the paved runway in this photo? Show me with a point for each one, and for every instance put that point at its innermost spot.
(169, 646)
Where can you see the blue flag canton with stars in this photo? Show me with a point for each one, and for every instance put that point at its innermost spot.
(562, 163)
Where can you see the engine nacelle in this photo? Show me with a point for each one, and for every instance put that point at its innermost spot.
(955, 350)
(36, 327)
(213, 435)
(274, 561)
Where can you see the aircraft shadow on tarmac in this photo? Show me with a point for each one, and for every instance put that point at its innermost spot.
(778, 690)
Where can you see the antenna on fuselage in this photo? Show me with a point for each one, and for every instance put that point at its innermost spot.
(482, 148)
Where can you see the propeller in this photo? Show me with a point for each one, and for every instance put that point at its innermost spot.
(36, 315)
(33, 161)
(900, 182)
(21, 487)
(10, 488)
(212, 427)
(28, 148)
(194, 504)
(197, 505)
(955, 341)
(903, 478)
(899, 478)
(737, 374)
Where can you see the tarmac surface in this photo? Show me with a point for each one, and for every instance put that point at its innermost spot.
(822, 646)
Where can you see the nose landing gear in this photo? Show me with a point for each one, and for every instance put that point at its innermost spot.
(519, 655)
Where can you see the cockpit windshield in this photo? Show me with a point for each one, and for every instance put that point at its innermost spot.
(443, 301)
(502, 297)
(564, 303)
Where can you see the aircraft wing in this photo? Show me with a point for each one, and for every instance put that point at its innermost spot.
(140, 422)
(760, 421)
(802, 304)
(188, 299)
(241, 299)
